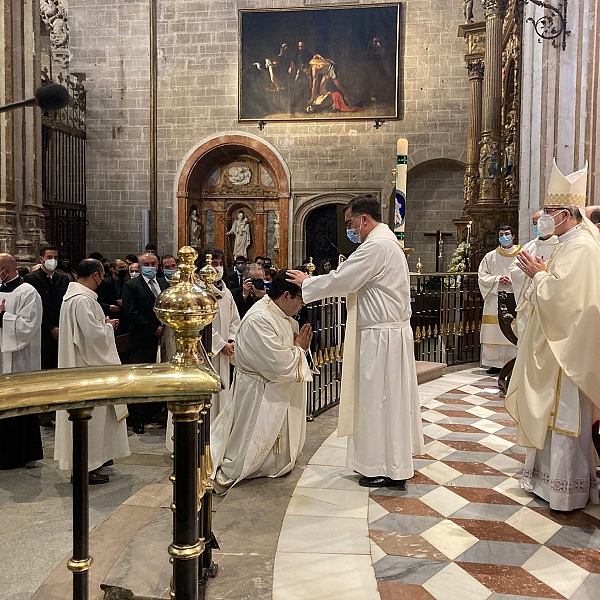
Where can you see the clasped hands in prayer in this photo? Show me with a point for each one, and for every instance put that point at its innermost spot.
(530, 265)
(303, 338)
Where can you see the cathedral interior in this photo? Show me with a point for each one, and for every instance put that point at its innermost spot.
(248, 125)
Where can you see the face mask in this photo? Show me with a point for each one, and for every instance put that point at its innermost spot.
(353, 236)
(505, 240)
(149, 272)
(3, 277)
(134, 274)
(536, 231)
(122, 273)
(219, 271)
(546, 225)
(50, 264)
(169, 273)
(267, 285)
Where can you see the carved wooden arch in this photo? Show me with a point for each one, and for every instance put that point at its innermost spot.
(189, 192)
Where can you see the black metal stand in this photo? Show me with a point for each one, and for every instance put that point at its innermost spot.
(80, 563)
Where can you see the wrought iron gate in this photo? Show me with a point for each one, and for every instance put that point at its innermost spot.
(63, 172)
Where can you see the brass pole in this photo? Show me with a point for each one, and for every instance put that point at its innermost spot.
(80, 563)
(153, 217)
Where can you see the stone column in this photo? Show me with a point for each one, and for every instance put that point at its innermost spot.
(490, 165)
(21, 216)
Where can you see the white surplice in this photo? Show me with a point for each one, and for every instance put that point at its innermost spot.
(224, 328)
(520, 281)
(496, 350)
(379, 407)
(20, 335)
(86, 340)
(262, 427)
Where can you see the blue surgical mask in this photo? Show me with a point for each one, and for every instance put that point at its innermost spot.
(536, 231)
(505, 240)
(353, 236)
(149, 272)
(169, 273)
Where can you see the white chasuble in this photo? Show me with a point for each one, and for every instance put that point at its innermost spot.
(496, 350)
(261, 429)
(20, 335)
(86, 340)
(224, 328)
(555, 385)
(521, 283)
(379, 402)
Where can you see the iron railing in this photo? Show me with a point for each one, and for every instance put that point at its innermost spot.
(446, 317)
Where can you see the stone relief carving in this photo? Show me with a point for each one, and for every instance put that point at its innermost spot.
(475, 68)
(239, 175)
(54, 16)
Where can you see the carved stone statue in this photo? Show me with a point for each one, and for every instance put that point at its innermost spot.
(240, 229)
(194, 229)
(468, 10)
(276, 232)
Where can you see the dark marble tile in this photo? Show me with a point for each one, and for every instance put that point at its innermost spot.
(467, 446)
(486, 512)
(465, 437)
(453, 413)
(574, 537)
(412, 490)
(468, 456)
(503, 579)
(519, 457)
(493, 531)
(409, 506)
(462, 428)
(575, 518)
(419, 463)
(499, 553)
(584, 557)
(588, 590)
(404, 569)
(405, 544)
(404, 523)
(474, 468)
(391, 590)
(458, 420)
(484, 496)
(477, 481)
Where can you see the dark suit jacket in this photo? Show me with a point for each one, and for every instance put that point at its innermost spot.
(235, 280)
(107, 296)
(138, 306)
(52, 296)
(243, 304)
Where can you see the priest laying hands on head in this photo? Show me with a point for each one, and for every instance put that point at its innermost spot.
(262, 428)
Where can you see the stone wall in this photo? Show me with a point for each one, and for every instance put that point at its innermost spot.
(198, 46)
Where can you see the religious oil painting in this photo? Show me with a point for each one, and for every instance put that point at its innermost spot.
(329, 64)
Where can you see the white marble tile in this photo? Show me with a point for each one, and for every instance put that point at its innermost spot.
(531, 523)
(337, 478)
(469, 389)
(594, 510)
(440, 473)
(438, 450)
(510, 488)
(376, 552)
(487, 425)
(323, 577)
(432, 416)
(505, 464)
(435, 431)
(472, 399)
(432, 404)
(480, 411)
(555, 571)
(452, 582)
(329, 503)
(449, 538)
(335, 441)
(444, 501)
(330, 456)
(496, 443)
(376, 511)
(323, 535)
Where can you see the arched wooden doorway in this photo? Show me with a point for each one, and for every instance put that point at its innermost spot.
(228, 175)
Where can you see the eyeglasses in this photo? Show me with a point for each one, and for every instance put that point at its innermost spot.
(347, 223)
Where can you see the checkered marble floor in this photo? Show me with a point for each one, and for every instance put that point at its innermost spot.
(463, 529)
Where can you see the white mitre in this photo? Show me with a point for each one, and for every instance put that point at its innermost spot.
(567, 190)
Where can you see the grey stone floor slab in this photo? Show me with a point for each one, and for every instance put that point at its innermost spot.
(486, 512)
(469, 456)
(410, 491)
(499, 553)
(407, 570)
(400, 523)
(574, 537)
(459, 436)
(477, 481)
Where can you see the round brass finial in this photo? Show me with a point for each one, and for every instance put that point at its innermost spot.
(187, 309)
(310, 267)
(208, 273)
(419, 265)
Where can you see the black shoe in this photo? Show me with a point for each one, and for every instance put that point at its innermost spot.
(95, 478)
(108, 463)
(493, 371)
(381, 482)
(139, 428)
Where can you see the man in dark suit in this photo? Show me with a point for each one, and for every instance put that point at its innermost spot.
(110, 297)
(252, 290)
(236, 279)
(51, 285)
(145, 330)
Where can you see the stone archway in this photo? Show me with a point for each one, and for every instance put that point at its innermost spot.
(224, 175)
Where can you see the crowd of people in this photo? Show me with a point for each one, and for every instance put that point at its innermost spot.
(551, 284)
